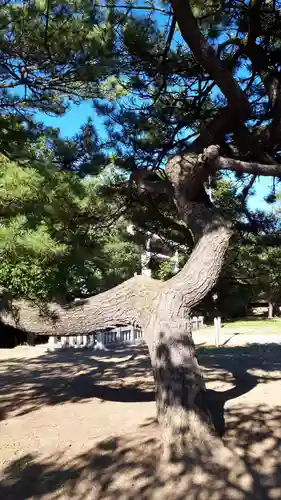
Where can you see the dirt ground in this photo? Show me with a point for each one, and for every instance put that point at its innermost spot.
(79, 425)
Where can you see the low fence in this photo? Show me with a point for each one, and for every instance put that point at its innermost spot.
(100, 340)
(129, 335)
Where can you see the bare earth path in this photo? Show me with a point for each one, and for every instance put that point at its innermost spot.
(81, 425)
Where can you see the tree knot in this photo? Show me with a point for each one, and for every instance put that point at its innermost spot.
(210, 153)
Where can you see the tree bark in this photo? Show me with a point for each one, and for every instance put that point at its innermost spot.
(182, 406)
(181, 401)
(127, 304)
(270, 169)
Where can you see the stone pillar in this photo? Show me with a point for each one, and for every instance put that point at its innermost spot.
(132, 335)
(71, 341)
(90, 340)
(217, 323)
(64, 341)
(118, 335)
(51, 342)
(78, 341)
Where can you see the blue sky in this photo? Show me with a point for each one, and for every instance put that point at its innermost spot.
(70, 123)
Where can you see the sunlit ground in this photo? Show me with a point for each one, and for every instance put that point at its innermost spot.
(79, 425)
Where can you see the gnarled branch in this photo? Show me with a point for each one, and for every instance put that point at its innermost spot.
(270, 170)
(128, 303)
(200, 273)
(206, 56)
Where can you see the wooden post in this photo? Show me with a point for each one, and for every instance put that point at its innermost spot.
(176, 262)
(217, 323)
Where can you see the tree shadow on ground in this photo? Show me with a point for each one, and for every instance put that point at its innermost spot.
(27, 384)
(124, 375)
(242, 367)
(126, 467)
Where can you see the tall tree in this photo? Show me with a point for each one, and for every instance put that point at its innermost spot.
(201, 83)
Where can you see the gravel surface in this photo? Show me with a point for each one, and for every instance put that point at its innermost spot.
(78, 424)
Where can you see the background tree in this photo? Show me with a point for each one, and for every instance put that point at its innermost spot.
(58, 237)
(251, 271)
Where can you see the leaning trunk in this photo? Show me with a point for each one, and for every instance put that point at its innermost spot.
(163, 311)
(125, 304)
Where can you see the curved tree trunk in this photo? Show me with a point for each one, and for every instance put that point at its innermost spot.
(162, 310)
(182, 406)
(128, 303)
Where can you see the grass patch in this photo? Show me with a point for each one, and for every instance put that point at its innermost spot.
(254, 323)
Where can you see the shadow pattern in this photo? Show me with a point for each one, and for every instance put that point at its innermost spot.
(126, 467)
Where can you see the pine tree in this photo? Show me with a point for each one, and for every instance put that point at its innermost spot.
(192, 87)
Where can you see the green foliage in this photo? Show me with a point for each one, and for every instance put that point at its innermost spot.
(52, 240)
(164, 270)
(251, 271)
(52, 54)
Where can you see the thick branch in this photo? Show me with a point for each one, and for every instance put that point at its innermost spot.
(187, 171)
(128, 303)
(262, 65)
(212, 232)
(187, 174)
(207, 57)
(210, 229)
(271, 170)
